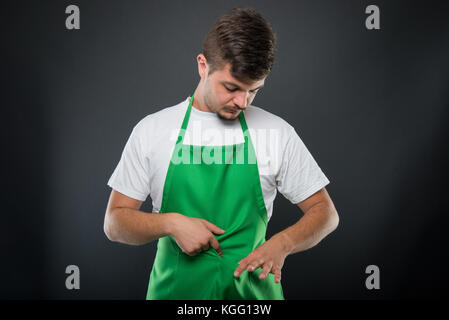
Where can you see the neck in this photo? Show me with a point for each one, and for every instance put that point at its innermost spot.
(198, 99)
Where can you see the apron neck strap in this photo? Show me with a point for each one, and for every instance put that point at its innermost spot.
(185, 121)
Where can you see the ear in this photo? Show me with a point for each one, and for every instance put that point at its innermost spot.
(203, 68)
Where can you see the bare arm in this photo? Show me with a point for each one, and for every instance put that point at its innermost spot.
(125, 223)
(320, 219)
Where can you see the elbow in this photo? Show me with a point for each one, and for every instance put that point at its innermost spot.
(334, 219)
(108, 228)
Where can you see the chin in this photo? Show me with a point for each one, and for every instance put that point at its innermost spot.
(228, 116)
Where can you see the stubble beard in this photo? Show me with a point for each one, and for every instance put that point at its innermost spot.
(212, 108)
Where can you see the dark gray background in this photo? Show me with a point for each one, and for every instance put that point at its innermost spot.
(371, 106)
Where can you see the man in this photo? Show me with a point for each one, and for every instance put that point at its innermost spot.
(213, 196)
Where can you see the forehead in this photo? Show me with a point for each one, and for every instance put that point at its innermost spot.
(225, 76)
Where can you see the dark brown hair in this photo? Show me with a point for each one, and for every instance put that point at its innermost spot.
(244, 39)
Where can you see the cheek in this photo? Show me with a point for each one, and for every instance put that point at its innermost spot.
(211, 95)
(216, 95)
(223, 98)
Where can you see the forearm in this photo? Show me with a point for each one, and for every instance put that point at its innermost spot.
(136, 227)
(319, 221)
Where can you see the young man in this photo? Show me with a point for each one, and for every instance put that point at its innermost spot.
(212, 191)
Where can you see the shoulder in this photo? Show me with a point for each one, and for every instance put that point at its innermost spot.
(161, 121)
(164, 115)
(259, 118)
(267, 127)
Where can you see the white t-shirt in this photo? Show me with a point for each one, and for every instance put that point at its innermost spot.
(284, 162)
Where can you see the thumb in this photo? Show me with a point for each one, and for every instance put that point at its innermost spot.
(212, 227)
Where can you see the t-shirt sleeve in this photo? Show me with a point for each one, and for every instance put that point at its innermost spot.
(299, 175)
(131, 176)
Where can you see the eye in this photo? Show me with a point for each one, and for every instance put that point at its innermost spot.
(230, 90)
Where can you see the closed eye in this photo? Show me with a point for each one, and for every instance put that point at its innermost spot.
(234, 90)
(231, 90)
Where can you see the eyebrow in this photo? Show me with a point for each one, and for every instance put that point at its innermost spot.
(233, 84)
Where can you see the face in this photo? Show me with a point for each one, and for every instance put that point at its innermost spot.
(225, 95)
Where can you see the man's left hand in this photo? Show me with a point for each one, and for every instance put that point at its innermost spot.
(269, 256)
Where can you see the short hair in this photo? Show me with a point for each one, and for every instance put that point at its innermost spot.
(244, 39)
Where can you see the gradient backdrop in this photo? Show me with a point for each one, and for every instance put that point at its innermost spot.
(371, 105)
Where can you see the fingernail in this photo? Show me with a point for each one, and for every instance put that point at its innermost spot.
(236, 274)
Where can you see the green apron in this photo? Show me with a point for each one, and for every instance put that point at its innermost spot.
(218, 184)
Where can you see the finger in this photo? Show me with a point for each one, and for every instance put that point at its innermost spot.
(193, 253)
(212, 227)
(216, 245)
(266, 269)
(242, 266)
(255, 264)
(205, 247)
(277, 275)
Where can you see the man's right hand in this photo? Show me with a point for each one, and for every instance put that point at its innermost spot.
(194, 235)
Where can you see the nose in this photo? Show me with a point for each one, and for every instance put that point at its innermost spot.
(241, 100)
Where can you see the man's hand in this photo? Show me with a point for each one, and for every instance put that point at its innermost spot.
(194, 235)
(269, 256)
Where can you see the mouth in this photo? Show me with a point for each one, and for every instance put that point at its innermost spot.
(232, 110)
